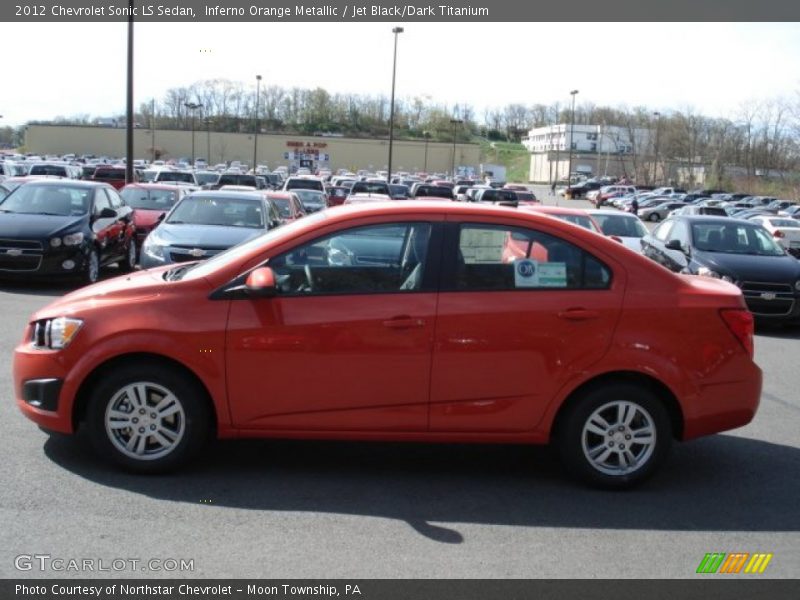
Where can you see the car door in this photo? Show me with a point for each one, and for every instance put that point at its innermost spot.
(346, 343)
(521, 311)
(653, 244)
(105, 229)
(123, 228)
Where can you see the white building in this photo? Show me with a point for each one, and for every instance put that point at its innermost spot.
(603, 139)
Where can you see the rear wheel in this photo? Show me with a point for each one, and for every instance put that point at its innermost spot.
(614, 436)
(148, 418)
(654, 217)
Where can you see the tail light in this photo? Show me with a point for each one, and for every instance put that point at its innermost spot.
(740, 322)
(778, 233)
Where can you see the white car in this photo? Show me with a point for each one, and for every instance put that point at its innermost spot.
(785, 230)
(621, 226)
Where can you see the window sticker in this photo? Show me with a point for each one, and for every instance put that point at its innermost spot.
(553, 275)
(526, 273)
(480, 246)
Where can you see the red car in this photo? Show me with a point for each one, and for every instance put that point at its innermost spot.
(150, 202)
(114, 176)
(288, 204)
(427, 331)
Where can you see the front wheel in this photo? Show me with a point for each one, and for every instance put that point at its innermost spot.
(615, 436)
(654, 218)
(128, 264)
(148, 418)
(92, 272)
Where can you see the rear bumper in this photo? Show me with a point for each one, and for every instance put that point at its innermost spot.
(723, 406)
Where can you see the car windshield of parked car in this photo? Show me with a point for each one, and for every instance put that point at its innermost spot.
(284, 207)
(621, 226)
(224, 212)
(149, 199)
(102, 174)
(581, 220)
(236, 253)
(312, 200)
(734, 238)
(63, 201)
(51, 170)
(206, 178)
(176, 176)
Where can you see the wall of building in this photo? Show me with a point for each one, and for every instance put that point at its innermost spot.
(347, 153)
(549, 166)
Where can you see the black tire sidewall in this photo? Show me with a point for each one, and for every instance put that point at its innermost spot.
(87, 274)
(571, 429)
(125, 265)
(190, 394)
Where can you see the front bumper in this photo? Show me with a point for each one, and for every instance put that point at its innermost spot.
(39, 387)
(49, 262)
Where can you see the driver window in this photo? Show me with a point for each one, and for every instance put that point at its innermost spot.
(371, 259)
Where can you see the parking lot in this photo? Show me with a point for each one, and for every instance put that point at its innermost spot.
(380, 510)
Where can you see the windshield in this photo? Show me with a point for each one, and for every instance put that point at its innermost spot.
(581, 220)
(109, 174)
(235, 254)
(304, 184)
(149, 199)
(204, 178)
(282, 204)
(310, 197)
(48, 170)
(175, 176)
(224, 212)
(734, 238)
(32, 199)
(620, 226)
(247, 180)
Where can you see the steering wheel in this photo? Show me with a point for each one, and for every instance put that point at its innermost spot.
(309, 279)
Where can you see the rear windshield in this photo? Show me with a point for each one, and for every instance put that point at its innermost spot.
(109, 174)
(175, 176)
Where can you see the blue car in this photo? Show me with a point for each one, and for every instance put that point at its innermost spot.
(206, 223)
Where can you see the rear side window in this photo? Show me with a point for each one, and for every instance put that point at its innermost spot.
(508, 258)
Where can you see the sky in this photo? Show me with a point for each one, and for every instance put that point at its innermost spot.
(714, 69)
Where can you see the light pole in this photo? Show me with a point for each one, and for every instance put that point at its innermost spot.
(208, 140)
(153, 129)
(129, 102)
(657, 115)
(427, 136)
(255, 136)
(455, 123)
(395, 31)
(573, 93)
(192, 106)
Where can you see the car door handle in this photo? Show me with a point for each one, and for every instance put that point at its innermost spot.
(403, 323)
(578, 314)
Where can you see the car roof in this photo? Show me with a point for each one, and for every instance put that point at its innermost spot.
(611, 213)
(556, 210)
(78, 183)
(711, 219)
(232, 194)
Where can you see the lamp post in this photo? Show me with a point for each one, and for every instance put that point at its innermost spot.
(192, 106)
(255, 135)
(455, 123)
(573, 93)
(395, 31)
(427, 136)
(153, 129)
(657, 115)
(207, 121)
(129, 102)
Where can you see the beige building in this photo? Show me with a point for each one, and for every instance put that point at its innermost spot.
(273, 150)
(547, 167)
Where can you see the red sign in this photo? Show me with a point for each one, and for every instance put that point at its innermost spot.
(307, 145)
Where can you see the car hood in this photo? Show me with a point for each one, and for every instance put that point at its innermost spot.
(138, 286)
(204, 236)
(143, 217)
(747, 267)
(19, 226)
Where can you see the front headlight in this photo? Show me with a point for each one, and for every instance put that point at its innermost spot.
(797, 285)
(152, 248)
(55, 334)
(73, 239)
(706, 272)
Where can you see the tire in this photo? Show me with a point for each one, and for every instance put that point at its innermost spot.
(654, 218)
(92, 272)
(125, 424)
(129, 263)
(596, 455)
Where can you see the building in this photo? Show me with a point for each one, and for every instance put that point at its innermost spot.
(596, 150)
(274, 150)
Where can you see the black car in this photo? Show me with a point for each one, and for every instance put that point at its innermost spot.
(65, 228)
(579, 190)
(737, 251)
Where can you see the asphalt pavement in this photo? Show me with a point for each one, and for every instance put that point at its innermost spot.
(371, 510)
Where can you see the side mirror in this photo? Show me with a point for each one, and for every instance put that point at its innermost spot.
(107, 213)
(676, 245)
(261, 283)
(161, 217)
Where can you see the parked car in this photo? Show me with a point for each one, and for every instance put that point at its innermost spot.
(623, 227)
(737, 251)
(303, 183)
(398, 191)
(430, 190)
(589, 346)
(312, 200)
(206, 223)
(288, 204)
(497, 196)
(605, 193)
(114, 176)
(576, 216)
(786, 232)
(240, 179)
(371, 187)
(526, 198)
(65, 228)
(337, 195)
(150, 202)
(660, 211)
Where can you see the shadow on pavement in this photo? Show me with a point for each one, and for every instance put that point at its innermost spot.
(721, 483)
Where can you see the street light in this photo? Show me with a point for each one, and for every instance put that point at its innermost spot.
(657, 115)
(192, 106)
(208, 140)
(153, 129)
(427, 135)
(573, 93)
(129, 101)
(255, 136)
(395, 31)
(454, 123)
